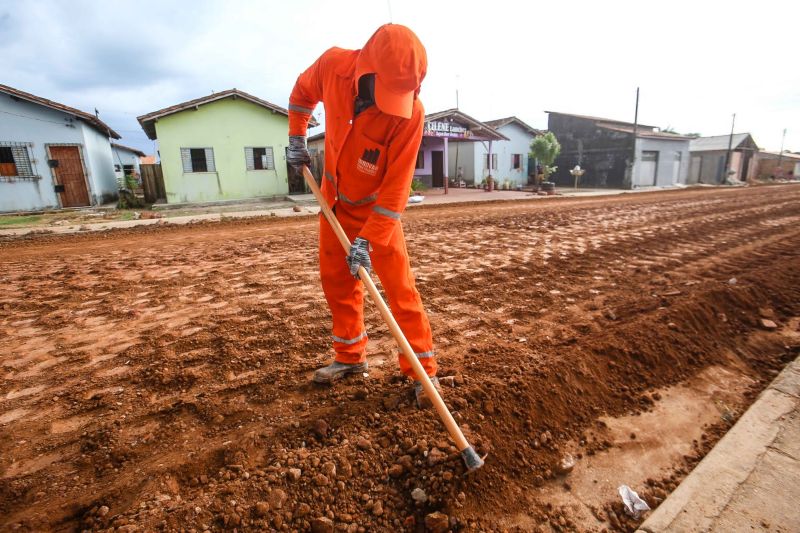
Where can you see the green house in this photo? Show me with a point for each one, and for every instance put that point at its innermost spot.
(226, 146)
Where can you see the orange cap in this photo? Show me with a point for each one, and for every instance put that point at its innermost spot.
(399, 61)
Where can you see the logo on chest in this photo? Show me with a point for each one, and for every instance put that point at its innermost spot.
(368, 163)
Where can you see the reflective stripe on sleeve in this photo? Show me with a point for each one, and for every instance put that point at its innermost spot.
(365, 200)
(350, 341)
(328, 175)
(300, 109)
(385, 212)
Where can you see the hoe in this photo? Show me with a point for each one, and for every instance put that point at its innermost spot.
(471, 458)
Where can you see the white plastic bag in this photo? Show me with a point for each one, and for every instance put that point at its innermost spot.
(634, 505)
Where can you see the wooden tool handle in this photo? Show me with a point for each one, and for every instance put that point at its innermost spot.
(397, 333)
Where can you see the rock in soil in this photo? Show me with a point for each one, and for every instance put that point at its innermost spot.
(276, 498)
(418, 495)
(261, 509)
(565, 465)
(768, 324)
(320, 429)
(437, 522)
(322, 525)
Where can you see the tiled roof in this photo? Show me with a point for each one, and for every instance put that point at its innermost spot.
(90, 119)
(500, 122)
(128, 148)
(148, 121)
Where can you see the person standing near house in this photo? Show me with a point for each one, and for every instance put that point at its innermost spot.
(374, 123)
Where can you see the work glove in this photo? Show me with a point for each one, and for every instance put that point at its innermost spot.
(359, 256)
(297, 154)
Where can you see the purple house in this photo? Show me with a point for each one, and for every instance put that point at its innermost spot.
(436, 164)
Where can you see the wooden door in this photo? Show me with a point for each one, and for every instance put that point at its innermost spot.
(69, 174)
(437, 160)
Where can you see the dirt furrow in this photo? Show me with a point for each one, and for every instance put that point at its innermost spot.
(158, 379)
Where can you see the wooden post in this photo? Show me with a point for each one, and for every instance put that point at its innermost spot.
(446, 166)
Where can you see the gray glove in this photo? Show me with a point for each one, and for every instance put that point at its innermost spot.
(359, 256)
(297, 154)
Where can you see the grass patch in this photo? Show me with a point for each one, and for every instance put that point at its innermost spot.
(20, 220)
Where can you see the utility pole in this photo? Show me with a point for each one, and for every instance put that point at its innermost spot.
(780, 154)
(635, 129)
(728, 153)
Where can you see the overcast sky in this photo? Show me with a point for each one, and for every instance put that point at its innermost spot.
(697, 62)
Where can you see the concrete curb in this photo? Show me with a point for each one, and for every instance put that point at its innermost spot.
(751, 479)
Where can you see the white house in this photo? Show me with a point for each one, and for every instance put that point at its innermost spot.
(512, 156)
(126, 162)
(471, 163)
(52, 155)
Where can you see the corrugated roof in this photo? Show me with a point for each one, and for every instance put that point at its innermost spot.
(477, 125)
(500, 122)
(148, 121)
(665, 135)
(600, 119)
(764, 154)
(718, 142)
(90, 119)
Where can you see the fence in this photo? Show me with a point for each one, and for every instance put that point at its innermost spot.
(153, 184)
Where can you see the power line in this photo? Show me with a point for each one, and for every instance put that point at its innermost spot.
(33, 118)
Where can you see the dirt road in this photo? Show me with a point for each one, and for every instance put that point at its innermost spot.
(157, 378)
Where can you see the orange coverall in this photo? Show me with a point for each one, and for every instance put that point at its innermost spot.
(369, 165)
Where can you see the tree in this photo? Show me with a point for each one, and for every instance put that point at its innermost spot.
(545, 149)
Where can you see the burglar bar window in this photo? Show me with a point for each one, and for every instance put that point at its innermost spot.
(15, 161)
(259, 158)
(486, 162)
(516, 161)
(198, 160)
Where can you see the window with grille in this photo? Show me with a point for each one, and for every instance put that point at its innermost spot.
(259, 158)
(486, 162)
(198, 160)
(15, 161)
(516, 161)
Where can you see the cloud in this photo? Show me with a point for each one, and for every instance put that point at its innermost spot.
(696, 62)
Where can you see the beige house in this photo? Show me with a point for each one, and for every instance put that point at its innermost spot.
(708, 155)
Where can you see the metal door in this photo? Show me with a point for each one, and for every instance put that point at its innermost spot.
(676, 168)
(70, 176)
(694, 169)
(647, 169)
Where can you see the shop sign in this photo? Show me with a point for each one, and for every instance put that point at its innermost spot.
(438, 128)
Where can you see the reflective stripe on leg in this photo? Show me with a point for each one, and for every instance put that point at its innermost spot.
(350, 341)
(423, 355)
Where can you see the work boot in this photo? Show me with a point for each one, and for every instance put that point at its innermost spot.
(337, 370)
(423, 402)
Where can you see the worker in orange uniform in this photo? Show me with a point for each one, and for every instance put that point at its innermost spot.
(374, 123)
